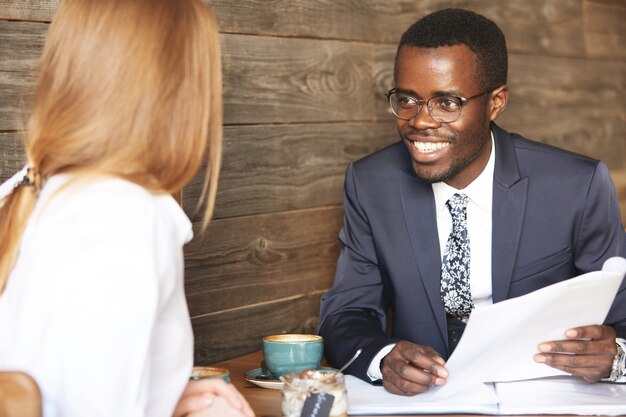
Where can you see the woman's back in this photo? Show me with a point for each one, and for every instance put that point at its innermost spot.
(100, 270)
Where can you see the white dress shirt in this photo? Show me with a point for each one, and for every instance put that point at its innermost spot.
(480, 193)
(94, 308)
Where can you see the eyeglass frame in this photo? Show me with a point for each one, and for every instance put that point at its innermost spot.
(420, 103)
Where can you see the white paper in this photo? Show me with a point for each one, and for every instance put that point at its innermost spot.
(500, 340)
(364, 398)
(561, 395)
(556, 395)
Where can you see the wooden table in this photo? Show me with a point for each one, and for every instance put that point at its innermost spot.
(266, 402)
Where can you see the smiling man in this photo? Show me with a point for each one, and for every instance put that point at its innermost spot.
(461, 213)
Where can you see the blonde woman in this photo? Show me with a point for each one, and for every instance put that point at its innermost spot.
(92, 304)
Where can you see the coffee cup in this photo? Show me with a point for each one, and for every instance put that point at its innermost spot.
(285, 353)
(206, 372)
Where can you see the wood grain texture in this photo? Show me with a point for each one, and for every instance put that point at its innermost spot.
(235, 332)
(619, 178)
(384, 58)
(554, 87)
(269, 168)
(532, 26)
(603, 29)
(585, 135)
(275, 80)
(369, 20)
(20, 46)
(254, 259)
(565, 102)
(12, 156)
(267, 80)
(33, 10)
(280, 80)
(537, 26)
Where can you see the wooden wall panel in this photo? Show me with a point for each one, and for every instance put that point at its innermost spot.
(619, 178)
(537, 26)
(546, 87)
(384, 57)
(267, 80)
(20, 47)
(565, 102)
(531, 26)
(278, 80)
(11, 155)
(232, 333)
(34, 10)
(604, 29)
(585, 135)
(249, 260)
(268, 168)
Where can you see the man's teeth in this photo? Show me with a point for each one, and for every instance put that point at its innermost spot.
(430, 146)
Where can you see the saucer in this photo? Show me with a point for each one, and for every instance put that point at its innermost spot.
(256, 377)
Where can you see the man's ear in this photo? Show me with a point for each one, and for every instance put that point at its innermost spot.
(497, 102)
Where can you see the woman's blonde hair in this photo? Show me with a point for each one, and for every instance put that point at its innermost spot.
(129, 88)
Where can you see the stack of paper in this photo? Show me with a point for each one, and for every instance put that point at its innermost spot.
(556, 395)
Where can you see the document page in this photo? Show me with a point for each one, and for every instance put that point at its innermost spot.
(554, 395)
(500, 340)
(561, 395)
(364, 398)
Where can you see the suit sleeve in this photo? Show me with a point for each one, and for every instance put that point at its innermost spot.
(353, 312)
(602, 236)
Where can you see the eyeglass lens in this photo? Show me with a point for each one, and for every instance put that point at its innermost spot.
(444, 109)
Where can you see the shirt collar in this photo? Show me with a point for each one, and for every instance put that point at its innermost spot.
(479, 191)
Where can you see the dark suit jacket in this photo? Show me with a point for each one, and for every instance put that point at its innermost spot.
(555, 216)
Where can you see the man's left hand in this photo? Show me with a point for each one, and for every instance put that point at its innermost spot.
(587, 352)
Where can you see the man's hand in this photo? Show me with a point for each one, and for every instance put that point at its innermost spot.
(411, 369)
(590, 358)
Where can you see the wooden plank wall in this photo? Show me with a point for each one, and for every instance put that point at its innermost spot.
(304, 84)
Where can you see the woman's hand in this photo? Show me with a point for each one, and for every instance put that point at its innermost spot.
(204, 397)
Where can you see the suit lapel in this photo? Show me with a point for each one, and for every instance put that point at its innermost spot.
(510, 192)
(418, 204)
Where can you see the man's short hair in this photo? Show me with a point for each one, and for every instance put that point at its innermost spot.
(450, 27)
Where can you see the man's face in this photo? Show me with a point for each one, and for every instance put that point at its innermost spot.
(455, 152)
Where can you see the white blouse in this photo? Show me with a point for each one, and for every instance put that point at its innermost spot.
(94, 308)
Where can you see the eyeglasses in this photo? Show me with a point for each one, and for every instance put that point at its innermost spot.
(444, 109)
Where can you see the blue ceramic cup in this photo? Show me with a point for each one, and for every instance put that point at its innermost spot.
(285, 353)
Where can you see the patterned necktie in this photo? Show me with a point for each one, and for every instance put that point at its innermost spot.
(455, 267)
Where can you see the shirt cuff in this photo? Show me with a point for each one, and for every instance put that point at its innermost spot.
(373, 372)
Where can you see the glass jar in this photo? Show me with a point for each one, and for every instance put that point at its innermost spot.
(298, 386)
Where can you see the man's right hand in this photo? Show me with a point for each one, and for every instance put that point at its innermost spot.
(411, 369)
